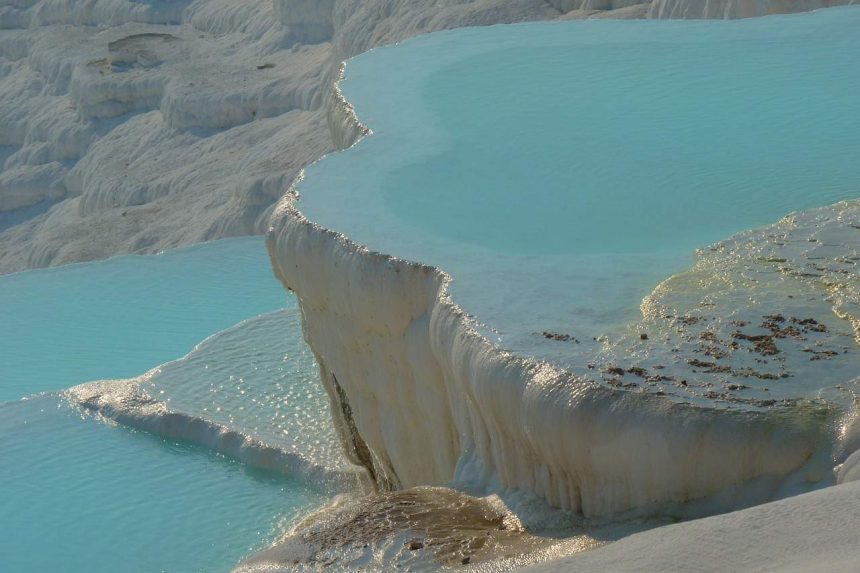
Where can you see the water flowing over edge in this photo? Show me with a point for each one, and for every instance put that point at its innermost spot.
(420, 397)
(125, 403)
(129, 403)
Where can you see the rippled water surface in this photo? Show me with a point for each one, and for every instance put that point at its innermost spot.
(83, 496)
(260, 379)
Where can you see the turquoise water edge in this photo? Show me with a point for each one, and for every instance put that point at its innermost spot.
(120, 317)
(83, 494)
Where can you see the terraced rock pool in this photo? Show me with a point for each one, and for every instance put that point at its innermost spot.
(668, 208)
(560, 172)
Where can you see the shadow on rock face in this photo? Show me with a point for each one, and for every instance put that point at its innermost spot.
(144, 50)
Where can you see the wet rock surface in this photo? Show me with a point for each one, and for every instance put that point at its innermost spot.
(768, 317)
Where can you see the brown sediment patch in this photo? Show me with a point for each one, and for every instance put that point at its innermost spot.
(559, 336)
(711, 367)
(821, 354)
(762, 343)
(411, 529)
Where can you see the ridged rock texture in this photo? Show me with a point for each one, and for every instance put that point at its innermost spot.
(139, 126)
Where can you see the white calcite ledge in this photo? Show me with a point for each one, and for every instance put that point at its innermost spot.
(136, 126)
(140, 126)
(419, 397)
(128, 403)
(812, 532)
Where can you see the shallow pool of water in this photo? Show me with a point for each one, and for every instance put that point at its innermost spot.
(80, 495)
(119, 318)
(561, 171)
(258, 378)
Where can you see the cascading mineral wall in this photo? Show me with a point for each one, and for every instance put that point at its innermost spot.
(435, 403)
(419, 397)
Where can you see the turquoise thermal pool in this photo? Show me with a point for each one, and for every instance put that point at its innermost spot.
(92, 497)
(120, 317)
(97, 493)
(559, 172)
